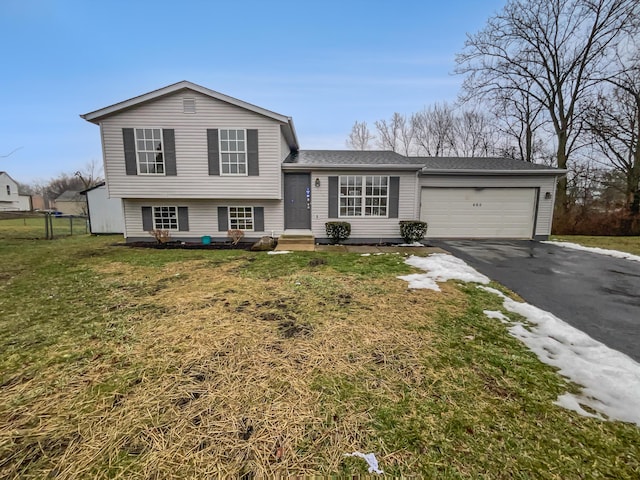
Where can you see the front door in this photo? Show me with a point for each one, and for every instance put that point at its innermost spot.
(297, 201)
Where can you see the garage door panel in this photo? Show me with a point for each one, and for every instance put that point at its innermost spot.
(478, 213)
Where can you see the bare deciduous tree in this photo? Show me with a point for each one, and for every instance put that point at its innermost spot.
(614, 125)
(396, 134)
(473, 135)
(433, 130)
(556, 50)
(360, 137)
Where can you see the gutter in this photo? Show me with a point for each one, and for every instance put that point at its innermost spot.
(313, 166)
(555, 172)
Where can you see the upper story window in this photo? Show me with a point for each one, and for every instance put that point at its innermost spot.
(233, 152)
(364, 196)
(165, 218)
(149, 151)
(8, 189)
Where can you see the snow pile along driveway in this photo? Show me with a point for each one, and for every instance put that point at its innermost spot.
(440, 267)
(610, 379)
(601, 251)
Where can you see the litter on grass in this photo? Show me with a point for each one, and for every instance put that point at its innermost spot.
(278, 252)
(610, 380)
(601, 251)
(370, 458)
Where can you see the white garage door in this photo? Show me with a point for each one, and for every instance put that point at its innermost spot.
(478, 212)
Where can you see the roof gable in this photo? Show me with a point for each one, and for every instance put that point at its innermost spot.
(288, 127)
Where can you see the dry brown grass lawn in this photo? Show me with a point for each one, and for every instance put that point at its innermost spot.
(201, 365)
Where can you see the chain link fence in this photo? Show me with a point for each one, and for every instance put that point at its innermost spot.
(41, 225)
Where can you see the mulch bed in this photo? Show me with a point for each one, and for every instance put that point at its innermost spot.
(187, 245)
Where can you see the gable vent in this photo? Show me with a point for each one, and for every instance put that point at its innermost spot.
(189, 105)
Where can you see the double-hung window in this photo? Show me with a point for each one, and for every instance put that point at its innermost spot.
(233, 152)
(149, 151)
(241, 218)
(366, 196)
(165, 218)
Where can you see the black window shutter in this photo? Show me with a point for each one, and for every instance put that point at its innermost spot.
(130, 160)
(169, 147)
(253, 167)
(258, 219)
(147, 219)
(333, 197)
(394, 196)
(213, 151)
(223, 220)
(183, 219)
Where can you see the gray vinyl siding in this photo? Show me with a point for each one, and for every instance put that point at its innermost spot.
(203, 216)
(363, 227)
(544, 183)
(192, 179)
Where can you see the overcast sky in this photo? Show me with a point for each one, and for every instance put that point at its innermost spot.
(325, 63)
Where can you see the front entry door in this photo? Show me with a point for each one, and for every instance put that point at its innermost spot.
(297, 201)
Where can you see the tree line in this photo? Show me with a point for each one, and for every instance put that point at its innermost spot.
(545, 81)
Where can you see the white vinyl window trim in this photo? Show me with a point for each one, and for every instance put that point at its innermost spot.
(165, 218)
(149, 151)
(363, 196)
(241, 218)
(232, 144)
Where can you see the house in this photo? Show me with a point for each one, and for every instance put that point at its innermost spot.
(105, 214)
(10, 197)
(197, 162)
(71, 202)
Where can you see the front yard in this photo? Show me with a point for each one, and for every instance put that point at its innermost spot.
(125, 363)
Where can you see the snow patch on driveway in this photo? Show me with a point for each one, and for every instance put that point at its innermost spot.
(601, 251)
(609, 379)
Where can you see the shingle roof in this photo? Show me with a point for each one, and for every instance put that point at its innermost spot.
(478, 163)
(428, 165)
(351, 157)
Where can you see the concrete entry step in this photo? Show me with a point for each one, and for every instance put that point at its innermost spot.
(300, 241)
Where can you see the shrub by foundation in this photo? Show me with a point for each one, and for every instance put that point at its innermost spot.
(412, 230)
(338, 231)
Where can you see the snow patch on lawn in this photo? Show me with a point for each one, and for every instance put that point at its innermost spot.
(412, 244)
(440, 267)
(497, 315)
(610, 380)
(601, 251)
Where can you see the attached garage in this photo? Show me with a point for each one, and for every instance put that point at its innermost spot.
(486, 198)
(479, 212)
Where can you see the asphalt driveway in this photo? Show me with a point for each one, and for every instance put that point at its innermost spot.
(597, 294)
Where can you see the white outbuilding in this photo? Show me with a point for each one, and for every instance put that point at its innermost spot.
(105, 214)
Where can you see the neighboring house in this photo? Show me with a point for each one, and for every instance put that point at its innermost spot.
(38, 202)
(197, 162)
(105, 214)
(71, 202)
(10, 198)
